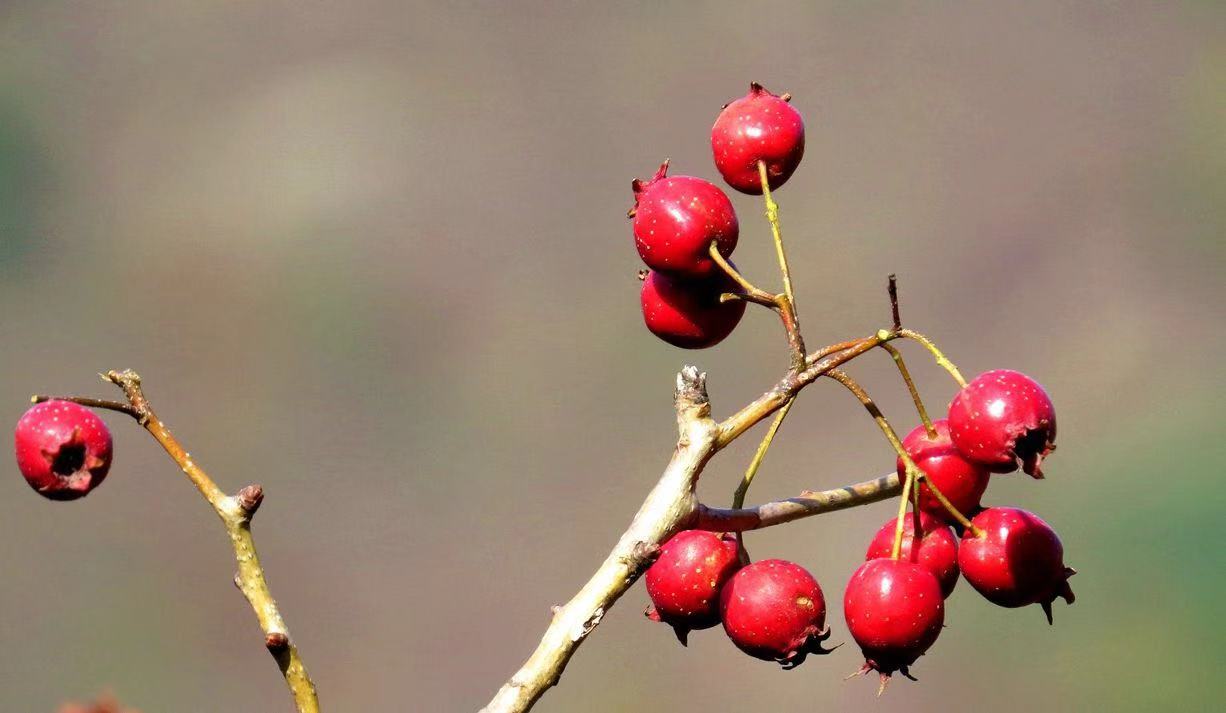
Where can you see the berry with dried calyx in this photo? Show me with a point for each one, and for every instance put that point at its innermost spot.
(63, 449)
(1004, 418)
(774, 610)
(895, 612)
(677, 218)
(1016, 560)
(759, 126)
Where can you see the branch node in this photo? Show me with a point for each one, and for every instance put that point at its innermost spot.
(641, 557)
(249, 499)
(276, 642)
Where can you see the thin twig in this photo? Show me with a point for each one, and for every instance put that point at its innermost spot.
(944, 361)
(738, 498)
(892, 288)
(772, 216)
(235, 513)
(905, 373)
(781, 304)
(913, 471)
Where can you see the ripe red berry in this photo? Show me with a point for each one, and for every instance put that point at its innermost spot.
(688, 313)
(685, 580)
(894, 611)
(676, 218)
(63, 449)
(759, 126)
(937, 551)
(959, 480)
(774, 610)
(1003, 417)
(1017, 560)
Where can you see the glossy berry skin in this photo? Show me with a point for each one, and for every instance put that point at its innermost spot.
(63, 449)
(676, 218)
(759, 126)
(685, 580)
(1016, 561)
(894, 611)
(1003, 418)
(937, 551)
(774, 610)
(688, 314)
(961, 481)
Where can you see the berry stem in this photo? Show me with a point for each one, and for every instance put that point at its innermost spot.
(781, 304)
(235, 513)
(738, 498)
(907, 488)
(772, 215)
(912, 470)
(942, 360)
(751, 290)
(915, 395)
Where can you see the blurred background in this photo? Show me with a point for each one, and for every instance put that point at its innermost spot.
(373, 255)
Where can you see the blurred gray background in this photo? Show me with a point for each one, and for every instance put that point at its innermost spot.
(373, 255)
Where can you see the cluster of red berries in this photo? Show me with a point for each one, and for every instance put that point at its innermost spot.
(678, 218)
(894, 606)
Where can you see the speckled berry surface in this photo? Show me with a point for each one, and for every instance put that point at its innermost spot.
(1004, 419)
(63, 449)
(775, 610)
(1016, 560)
(960, 480)
(894, 611)
(688, 313)
(685, 580)
(676, 218)
(759, 126)
(937, 550)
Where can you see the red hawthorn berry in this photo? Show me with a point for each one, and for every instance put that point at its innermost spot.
(685, 580)
(1017, 560)
(895, 611)
(63, 449)
(688, 313)
(937, 551)
(959, 480)
(676, 218)
(774, 610)
(1001, 418)
(759, 126)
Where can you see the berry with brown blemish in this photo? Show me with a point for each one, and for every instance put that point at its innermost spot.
(775, 610)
